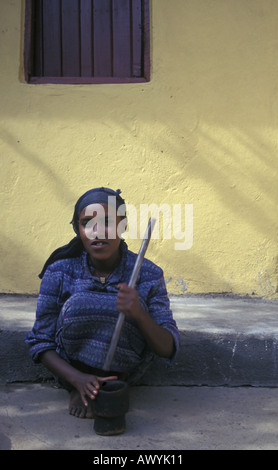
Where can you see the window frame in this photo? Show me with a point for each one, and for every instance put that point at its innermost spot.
(79, 80)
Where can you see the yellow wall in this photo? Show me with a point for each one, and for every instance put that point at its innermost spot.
(202, 132)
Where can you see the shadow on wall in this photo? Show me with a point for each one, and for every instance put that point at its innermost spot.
(208, 114)
(200, 274)
(247, 187)
(58, 186)
(16, 263)
(243, 187)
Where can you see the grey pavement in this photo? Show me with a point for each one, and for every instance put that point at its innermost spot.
(35, 417)
(221, 392)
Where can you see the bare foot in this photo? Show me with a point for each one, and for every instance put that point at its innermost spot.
(77, 407)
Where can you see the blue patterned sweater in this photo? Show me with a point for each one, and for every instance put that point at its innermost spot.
(69, 285)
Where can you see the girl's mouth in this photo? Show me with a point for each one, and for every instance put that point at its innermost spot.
(98, 243)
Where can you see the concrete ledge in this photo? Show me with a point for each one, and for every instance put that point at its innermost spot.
(225, 341)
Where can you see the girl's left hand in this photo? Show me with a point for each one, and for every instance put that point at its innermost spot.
(128, 301)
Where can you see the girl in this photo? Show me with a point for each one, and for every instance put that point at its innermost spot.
(84, 286)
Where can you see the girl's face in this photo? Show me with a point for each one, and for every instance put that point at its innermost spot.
(98, 229)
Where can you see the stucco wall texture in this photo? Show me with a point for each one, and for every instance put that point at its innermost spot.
(203, 131)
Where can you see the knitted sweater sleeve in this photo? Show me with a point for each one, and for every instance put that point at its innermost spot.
(42, 336)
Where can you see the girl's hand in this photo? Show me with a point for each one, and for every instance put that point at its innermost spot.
(128, 301)
(88, 385)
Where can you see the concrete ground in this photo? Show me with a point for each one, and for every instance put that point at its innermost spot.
(221, 392)
(34, 417)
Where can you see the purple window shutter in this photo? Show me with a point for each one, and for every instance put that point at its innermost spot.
(86, 38)
(51, 38)
(87, 41)
(70, 38)
(102, 26)
(121, 38)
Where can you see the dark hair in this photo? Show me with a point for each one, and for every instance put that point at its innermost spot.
(95, 196)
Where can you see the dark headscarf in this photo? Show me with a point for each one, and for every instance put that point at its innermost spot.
(74, 248)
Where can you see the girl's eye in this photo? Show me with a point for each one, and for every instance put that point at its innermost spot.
(84, 222)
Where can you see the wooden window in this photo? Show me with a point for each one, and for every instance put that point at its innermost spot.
(87, 41)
